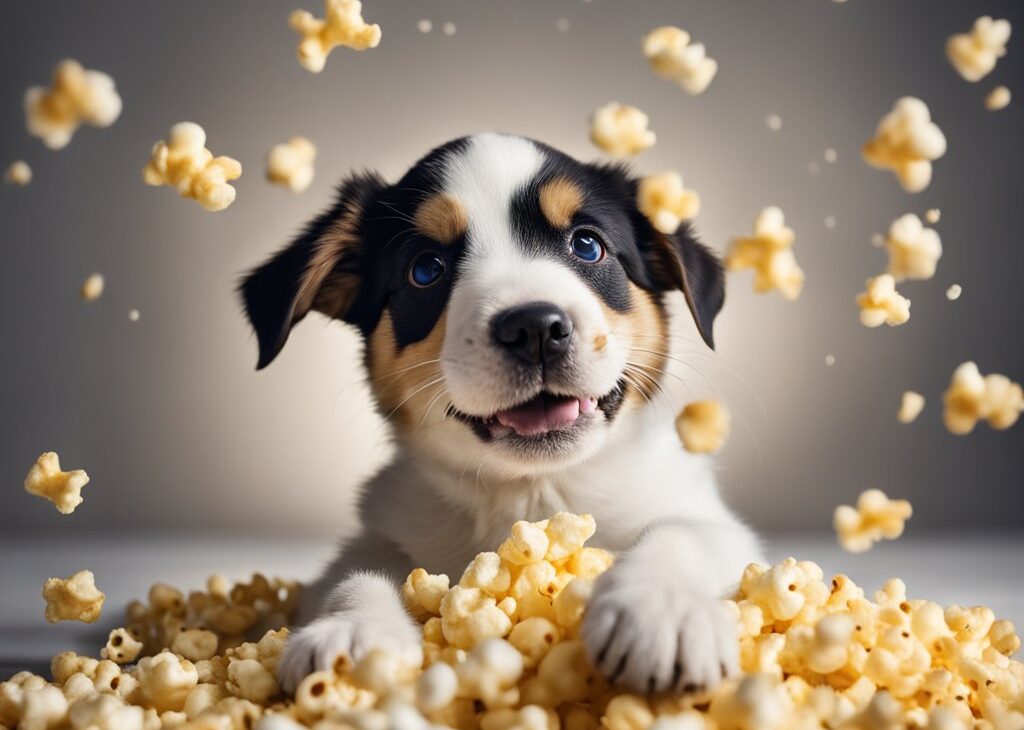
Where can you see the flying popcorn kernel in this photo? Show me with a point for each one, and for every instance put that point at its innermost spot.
(997, 99)
(77, 96)
(73, 599)
(184, 163)
(703, 426)
(92, 287)
(875, 517)
(64, 488)
(666, 202)
(343, 25)
(673, 57)
(619, 129)
(911, 405)
(971, 398)
(914, 251)
(907, 141)
(880, 303)
(953, 292)
(769, 252)
(291, 164)
(18, 173)
(774, 123)
(974, 54)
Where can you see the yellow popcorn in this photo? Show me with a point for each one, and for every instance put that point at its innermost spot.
(18, 173)
(620, 129)
(971, 398)
(195, 644)
(73, 599)
(914, 250)
(907, 141)
(489, 674)
(880, 303)
(974, 54)
(567, 534)
(665, 202)
(627, 712)
(528, 543)
(673, 57)
(997, 99)
(932, 215)
(875, 517)
(468, 616)
(423, 592)
(785, 591)
(703, 426)
(291, 164)
(92, 287)
(64, 488)
(343, 25)
(770, 254)
(184, 163)
(121, 647)
(911, 405)
(165, 681)
(77, 96)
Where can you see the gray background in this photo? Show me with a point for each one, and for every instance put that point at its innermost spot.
(179, 433)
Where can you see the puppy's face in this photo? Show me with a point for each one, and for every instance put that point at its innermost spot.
(510, 298)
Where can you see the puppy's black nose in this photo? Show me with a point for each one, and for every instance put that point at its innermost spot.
(535, 333)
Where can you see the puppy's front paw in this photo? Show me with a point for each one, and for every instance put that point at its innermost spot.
(651, 635)
(318, 645)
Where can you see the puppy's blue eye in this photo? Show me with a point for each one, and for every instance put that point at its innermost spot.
(426, 270)
(587, 247)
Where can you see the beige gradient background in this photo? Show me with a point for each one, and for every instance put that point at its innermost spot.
(179, 433)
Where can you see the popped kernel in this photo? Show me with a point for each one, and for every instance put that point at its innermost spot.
(770, 254)
(666, 202)
(953, 292)
(423, 592)
(73, 599)
(703, 426)
(64, 488)
(77, 96)
(468, 616)
(183, 162)
(911, 405)
(620, 129)
(92, 287)
(291, 164)
(998, 99)
(672, 56)
(121, 647)
(907, 141)
(933, 215)
(18, 173)
(165, 680)
(914, 250)
(527, 543)
(875, 517)
(974, 54)
(195, 644)
(567, 533)
(971, 398)
(342, 25)
(880, 303)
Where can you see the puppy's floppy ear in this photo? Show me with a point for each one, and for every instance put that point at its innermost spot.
(320, 270)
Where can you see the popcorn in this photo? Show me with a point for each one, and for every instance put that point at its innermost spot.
(619, 129)
(18, 173)
(911, 405)
(774, 123)
(907, 142)
(974, 54)
(953, 292)
(184, 163)
(291, 164)
(64, 488)
(998, 99)
(673, 57)
(769, 252)
(875, 517)
(880, 303)
(73, 599)
(121, 647)
(165, 681)
(195, 644)
(92, 287)
(77, 96)
(914, 250)
(971, 398)
(703, 426)
(932, 215)
(665, 202)
(343, 25)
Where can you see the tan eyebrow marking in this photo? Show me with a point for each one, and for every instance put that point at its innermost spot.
(560, 200)
(441, 218)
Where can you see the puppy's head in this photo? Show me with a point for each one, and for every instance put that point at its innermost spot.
(510, 299)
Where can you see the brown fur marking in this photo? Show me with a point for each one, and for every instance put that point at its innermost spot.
(645, 329)
(560, 200)
(441, 218)
(396, 374)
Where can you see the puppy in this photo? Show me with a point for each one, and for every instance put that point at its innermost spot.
(512, 305)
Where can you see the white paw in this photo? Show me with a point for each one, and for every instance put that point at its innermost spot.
(649, 634)
(318, 645)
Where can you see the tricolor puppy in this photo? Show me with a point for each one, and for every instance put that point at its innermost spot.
(512, 302)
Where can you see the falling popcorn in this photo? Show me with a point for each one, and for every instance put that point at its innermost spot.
(703, 426)
(914, 250)
(880, 303)
(291, 164)
(619, 129)
(184, 163)
(92, 287)
(769, 252)
(18, 173)
(64, 488)
(911, 405)
(77, 96)
(73, 599)
(875, 517)
(342, 26)
(907, 141)
(666, 202)
(974, 54)
(932, 215)
(673, 57)
(971, 398)
(997, 99)
(953, 292)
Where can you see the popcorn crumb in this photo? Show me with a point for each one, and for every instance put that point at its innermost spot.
(291, 164)
(343, 25)
(774, 122)
(974, 54)
(64, 488)
(932, 215)
(907, 141)
(620, 129)
(92, 287)
(18, 173)
(914, 251)
(424, 26)
(831, 155)
(184, 163)
(875, 517)
(769, 252)
(666, 202)
(703, 426)
(953, 292)
(911, 405)
(830, 360)
(997, 99)
(880, 303)
(971, 398)
(673, 57)
(77, 96)
(448, 28)
(73, 599)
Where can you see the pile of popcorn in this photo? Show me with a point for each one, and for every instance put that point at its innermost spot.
(502, 651)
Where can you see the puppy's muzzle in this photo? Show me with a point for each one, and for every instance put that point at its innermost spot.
(535, 334)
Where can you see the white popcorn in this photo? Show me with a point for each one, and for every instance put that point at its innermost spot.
(932, 215)
(911, 405)
(953, 292)
(774, 123)
(436, 687)
(73, 599)
(183, 162)
(448, 28)
(92, 287)
(703, 426)
(291, 164)
(424, 25)
(907, 141)
(997, 99)
(971, 398)
(666, 202)
(880, 303)
(831, 155)
(343, 25)
(121, 647)
(619, 129)
(673, 57)
(490, 672)
(974, 54)
(769, 252)
(18, 173)
(165, 681)
(830, 360)
(875, 517)
(77, 96)
(64, 488)
(914, 251)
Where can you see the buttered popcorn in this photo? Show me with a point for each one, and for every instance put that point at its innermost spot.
(64, 488)
(975, 54)
(343, 25)
(291, 164)
(666, 202)
(880, 303)
(703, 426)
(875, 517)
(914, 250)
(183, 162)
(769, 252)
(620, 129)
(73, 599)
(972, 397)
(92, 287)
(907, 141)
(77, 96)
(672, 56)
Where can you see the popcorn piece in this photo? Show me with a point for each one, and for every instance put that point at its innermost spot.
(907, 142)
(831, 155)
(18, 173)
(619, 129)
(186, 164)
(769, 252)
(250, 680)
(121, 647)
(165, 681)
(627, 712)
(567, 533)
(974, 54)
(424, 26)
(448, 28)
(195, 644)
(64, 488)
(291, 164)
(911, 405)
(953, 292)
(528, 543)
(880, 303)
(774, 123)
(77, 96)
(490, 672)
(932, 215)
(423, 592)
(665, 202)
(73, 599)
(436, 687)
(914, 250)
(342, 26)
(673, 57)
(703, 426)
(875, 517)
(971, 398)
(786, 590)
(92, 287)
(998, 99)
(469, 616)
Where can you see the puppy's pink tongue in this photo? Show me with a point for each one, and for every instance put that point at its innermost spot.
(540, 415)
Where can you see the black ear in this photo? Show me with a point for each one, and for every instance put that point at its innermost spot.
(320, 270)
